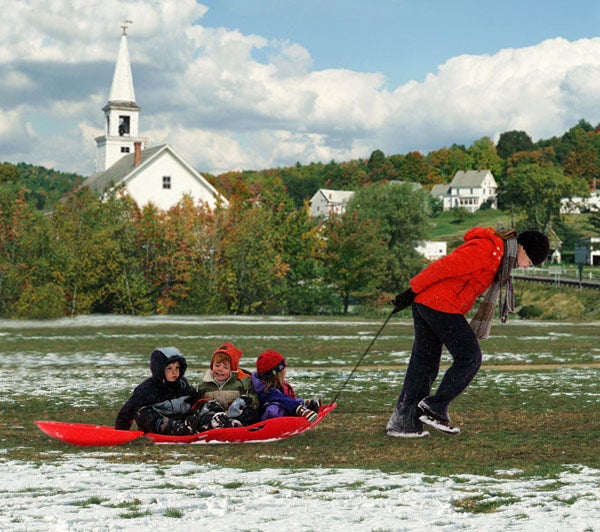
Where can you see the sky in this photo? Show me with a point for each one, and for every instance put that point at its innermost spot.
(255, 84)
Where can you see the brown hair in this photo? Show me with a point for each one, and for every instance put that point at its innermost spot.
(219, 358)
(274, 381)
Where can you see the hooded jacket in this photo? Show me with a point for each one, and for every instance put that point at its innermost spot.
(453, 283)
(285, 399)
(155, 389)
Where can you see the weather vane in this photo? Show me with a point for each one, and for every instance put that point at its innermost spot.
(125, 25)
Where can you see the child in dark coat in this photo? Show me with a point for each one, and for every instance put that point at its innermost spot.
(167, 384)
(276, 395)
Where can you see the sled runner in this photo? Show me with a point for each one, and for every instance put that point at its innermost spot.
(263, 431)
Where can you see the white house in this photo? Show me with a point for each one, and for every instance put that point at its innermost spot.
(588, 251)
(431, 250)
(326, 202)
(577, 205)
(469, 189)
(158, 175)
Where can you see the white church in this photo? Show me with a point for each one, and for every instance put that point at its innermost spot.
(157, 175)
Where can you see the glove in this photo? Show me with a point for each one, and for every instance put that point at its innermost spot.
(403, 300)
(313, 404)
(239, 405)
(200, 403)
(311, 415)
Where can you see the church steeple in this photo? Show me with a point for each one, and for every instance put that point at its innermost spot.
(121, 89)
(121, 112)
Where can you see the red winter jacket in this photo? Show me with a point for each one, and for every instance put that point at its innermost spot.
(451, 284)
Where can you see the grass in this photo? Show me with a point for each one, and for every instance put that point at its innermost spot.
(447, 229)
(532, 407)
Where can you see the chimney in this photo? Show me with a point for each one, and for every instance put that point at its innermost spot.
(137, 153)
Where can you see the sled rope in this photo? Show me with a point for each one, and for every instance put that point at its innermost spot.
(363, 356)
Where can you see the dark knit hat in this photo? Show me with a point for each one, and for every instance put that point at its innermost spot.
(269, 363)
(536, 245)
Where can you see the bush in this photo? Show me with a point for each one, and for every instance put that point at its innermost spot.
(530, 312)
(42, 302)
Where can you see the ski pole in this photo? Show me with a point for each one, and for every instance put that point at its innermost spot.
(363, 356)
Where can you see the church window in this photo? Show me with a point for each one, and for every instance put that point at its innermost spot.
(124, 149)
(123, 125)
(167, 181)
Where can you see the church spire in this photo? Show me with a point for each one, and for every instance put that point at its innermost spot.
(121, 113)
(121, 89)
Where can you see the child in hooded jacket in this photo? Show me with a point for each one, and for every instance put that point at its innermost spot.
(166, 385)
(276, 395)
(225, 397)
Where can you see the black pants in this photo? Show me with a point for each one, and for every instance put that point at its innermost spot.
(433, 330)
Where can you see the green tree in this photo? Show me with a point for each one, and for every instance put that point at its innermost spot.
(27, 272)
(485, 157)
(411, 167)
(355, 257)
(445, 162)
(379, 168)
(9, 173)
(402, 211)
(295, 236)
(584, 163)
(511, 142)
(250, 265)
(535, 193)
(99, 267)
(186, 276)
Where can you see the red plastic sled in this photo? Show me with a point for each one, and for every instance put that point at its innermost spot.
(87, 435)
(263, 431)
(101, 435)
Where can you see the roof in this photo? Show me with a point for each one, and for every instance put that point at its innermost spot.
(470, 178)
(123, 169)
(336, 196)
(120, 170)
(440, 190)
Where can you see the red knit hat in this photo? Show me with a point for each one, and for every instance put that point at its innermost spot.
(232, 352)
(269, 363)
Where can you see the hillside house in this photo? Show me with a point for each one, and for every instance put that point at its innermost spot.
(155, 175)
(577, 205)
(469, 189)
(326, 202)
(431, 250)
(588, 251)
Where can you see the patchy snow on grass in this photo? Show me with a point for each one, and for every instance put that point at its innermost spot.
(94, 491)
(88, 492)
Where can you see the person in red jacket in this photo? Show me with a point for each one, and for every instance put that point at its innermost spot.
(440, 296)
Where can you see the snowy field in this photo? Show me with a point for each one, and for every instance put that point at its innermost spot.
(91, 490)
(87, 493)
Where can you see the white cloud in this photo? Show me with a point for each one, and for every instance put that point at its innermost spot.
(16, 133)
(226, 100)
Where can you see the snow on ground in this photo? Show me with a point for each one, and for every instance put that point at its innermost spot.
(93, 491)
(89, 493)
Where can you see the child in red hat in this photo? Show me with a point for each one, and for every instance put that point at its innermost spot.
(276, 395)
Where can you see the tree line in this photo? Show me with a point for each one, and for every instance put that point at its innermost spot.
(64, 252)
